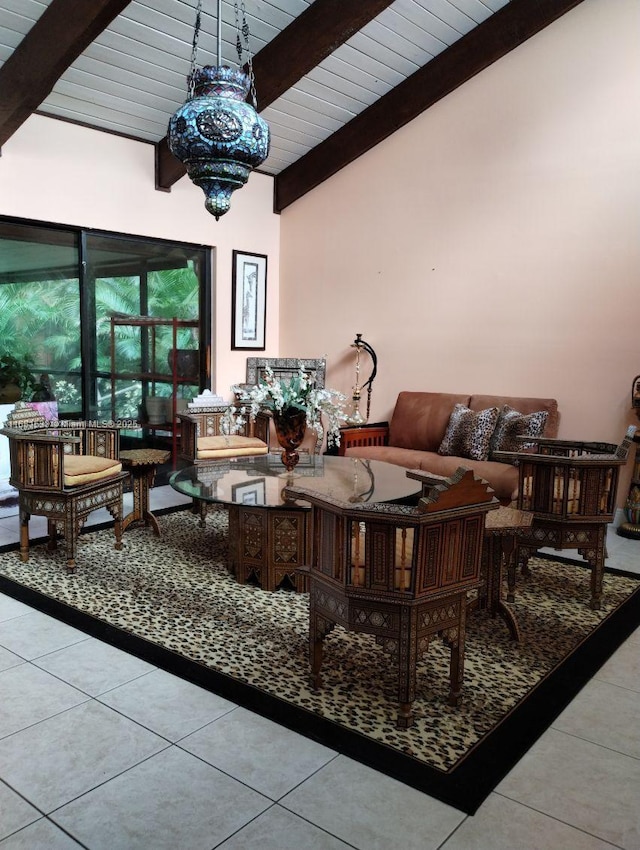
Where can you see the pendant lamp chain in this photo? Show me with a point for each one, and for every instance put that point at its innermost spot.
(194, 50)
(217, 135)
(244, 45)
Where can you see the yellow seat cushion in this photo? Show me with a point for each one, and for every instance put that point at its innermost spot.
(83, 469)
(231, 446)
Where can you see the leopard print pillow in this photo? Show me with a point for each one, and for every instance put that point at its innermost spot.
(513, 424)
(469, 432)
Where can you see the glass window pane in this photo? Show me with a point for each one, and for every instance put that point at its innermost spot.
(75, 330)
(40, 305)
(137, 289)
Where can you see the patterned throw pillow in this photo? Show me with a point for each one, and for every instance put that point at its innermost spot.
(469, 432)
(513, 424)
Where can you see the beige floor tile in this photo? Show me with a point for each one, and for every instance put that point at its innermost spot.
(166, 497)
(93, 666)
(42, 835)
(172, 801)
(258, 752)
(605, 714)
(501, 824)
(9, 659)
(623, 668)
(15, 813)
(30, 695)
(167, 705)
(623, 552)
(10, 608)
(278, 829)
(371, 811)
(8, 531)
(584, 784)
(73, 752)
(36, 634)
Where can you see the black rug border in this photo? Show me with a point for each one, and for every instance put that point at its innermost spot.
(466, 785)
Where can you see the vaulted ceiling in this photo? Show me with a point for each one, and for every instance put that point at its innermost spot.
(333, 77)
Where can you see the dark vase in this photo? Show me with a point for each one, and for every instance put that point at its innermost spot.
(291, 424)
(185, 360)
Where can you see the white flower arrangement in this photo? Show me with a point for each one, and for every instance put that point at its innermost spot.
(297, 392)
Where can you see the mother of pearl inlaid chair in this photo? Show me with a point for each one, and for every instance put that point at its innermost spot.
(64, 474)
(571, 488)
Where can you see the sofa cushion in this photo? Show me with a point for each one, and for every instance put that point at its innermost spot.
(420, 420)
(525, 404)
(469, 432)
(512, 425)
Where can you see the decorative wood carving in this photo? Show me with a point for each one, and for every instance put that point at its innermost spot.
(571, 488)
(37, 472)
(401, 573)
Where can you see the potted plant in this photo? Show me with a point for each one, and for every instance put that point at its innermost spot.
(16, 378)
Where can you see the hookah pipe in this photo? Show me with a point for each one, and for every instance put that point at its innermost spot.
(369, 382)
(359, 344)
(362, 495)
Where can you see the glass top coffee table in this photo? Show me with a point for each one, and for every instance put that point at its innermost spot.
(269, 536)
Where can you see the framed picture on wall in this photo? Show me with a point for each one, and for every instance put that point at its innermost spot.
(249, 301)
(251, 492)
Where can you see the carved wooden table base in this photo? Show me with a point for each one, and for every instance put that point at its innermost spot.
(269, 546)
(141, 465)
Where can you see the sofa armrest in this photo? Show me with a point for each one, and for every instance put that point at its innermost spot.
(376, 434)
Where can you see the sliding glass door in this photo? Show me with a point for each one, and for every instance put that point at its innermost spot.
(40, 305)
(65, 296)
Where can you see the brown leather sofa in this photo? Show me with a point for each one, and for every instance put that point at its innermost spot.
(417, 428)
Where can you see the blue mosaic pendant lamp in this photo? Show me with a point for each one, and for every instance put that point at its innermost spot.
(216, 134)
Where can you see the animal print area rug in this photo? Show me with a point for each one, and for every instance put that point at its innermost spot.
(172, 601)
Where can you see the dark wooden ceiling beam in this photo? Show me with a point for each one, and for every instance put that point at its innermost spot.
(488, 42)
(53, 43)
(309, 38)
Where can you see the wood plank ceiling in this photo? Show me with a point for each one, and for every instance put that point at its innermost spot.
(333, 77)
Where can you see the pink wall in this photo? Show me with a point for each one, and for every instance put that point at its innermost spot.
(492, 245)
(58, 172)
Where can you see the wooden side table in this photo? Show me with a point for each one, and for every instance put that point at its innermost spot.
(502, 528)
(141, 465)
